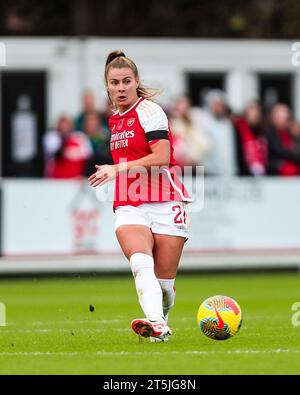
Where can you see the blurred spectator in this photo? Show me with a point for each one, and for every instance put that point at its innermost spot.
(295, 129)
(99, 137)
(284, 150)
(66, 151)
(190, 144)
(107, 112)
(221, 160)
(88, 104)
(252, 141)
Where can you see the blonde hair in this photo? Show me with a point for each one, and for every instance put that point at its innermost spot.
(117, 59)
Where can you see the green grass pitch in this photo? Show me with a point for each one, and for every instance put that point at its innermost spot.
(51, 330)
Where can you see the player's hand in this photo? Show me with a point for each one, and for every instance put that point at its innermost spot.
(103, 174)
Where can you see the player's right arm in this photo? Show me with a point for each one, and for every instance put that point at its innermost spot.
(160, 156)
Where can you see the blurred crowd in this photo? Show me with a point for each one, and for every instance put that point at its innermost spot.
(254, 143)
(75, 146)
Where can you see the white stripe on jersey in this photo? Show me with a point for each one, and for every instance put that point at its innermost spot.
(184, 199)
(151, 116)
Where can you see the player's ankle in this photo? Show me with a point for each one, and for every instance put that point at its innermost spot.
(155, 317)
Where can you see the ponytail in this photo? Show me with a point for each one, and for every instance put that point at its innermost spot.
(117, 59)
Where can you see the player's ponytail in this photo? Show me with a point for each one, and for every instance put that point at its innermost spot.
(114, 55)
(117, 59)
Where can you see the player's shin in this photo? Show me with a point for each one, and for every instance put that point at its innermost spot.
(147, 285)
(168, 290)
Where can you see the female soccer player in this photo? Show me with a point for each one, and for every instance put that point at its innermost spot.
(150, 201)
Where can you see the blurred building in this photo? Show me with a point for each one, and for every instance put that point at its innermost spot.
(54, 72)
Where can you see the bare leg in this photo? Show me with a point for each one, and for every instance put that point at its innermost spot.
(167, 252)
(135, 238)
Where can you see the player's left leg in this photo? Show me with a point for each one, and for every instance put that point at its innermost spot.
(166, 253)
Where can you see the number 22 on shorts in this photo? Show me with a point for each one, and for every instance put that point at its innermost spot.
(180, 217)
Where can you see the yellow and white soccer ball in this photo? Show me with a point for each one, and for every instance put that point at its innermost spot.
(219, 317)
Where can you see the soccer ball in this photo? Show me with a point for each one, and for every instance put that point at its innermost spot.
(219, 317)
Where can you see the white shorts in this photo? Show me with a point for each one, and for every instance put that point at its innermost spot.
(167, 218)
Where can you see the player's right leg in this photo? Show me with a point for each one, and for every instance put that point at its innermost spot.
(167, 252)
(170, 223)
(156, 330)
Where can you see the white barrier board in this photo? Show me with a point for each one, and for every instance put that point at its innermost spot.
(65, 217)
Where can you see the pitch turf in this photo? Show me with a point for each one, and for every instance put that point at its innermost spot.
(51, 330)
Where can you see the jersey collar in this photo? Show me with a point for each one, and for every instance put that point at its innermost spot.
(129, 109)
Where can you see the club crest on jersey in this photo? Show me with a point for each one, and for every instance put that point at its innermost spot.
(130, 121)
(120, 124)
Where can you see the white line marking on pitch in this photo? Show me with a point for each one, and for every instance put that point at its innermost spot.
(87, 321)
(75, 330)
(121, 353)
(41, 323)
(103, 322)
(70, 321)
(200, 352)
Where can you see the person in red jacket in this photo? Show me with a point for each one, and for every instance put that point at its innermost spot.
(150, 206)
(66, 151)
(252, 140)
(284, 150)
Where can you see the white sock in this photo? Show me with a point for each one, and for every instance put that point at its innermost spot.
(147, 286)
(168, 290)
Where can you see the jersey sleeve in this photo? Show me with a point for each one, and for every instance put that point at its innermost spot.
(154, 122)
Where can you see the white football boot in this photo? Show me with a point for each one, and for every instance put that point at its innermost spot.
(158, 339)
(156, 330)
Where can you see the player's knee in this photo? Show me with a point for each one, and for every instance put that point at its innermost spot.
(139, 261)
(165, 272)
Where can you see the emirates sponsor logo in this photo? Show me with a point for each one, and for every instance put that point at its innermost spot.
(130, 122)
(126, 134)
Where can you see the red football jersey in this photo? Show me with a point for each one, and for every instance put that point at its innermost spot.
(132, 133)
(72, 162)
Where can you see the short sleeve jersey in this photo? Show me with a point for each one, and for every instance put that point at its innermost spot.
(132, 134)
